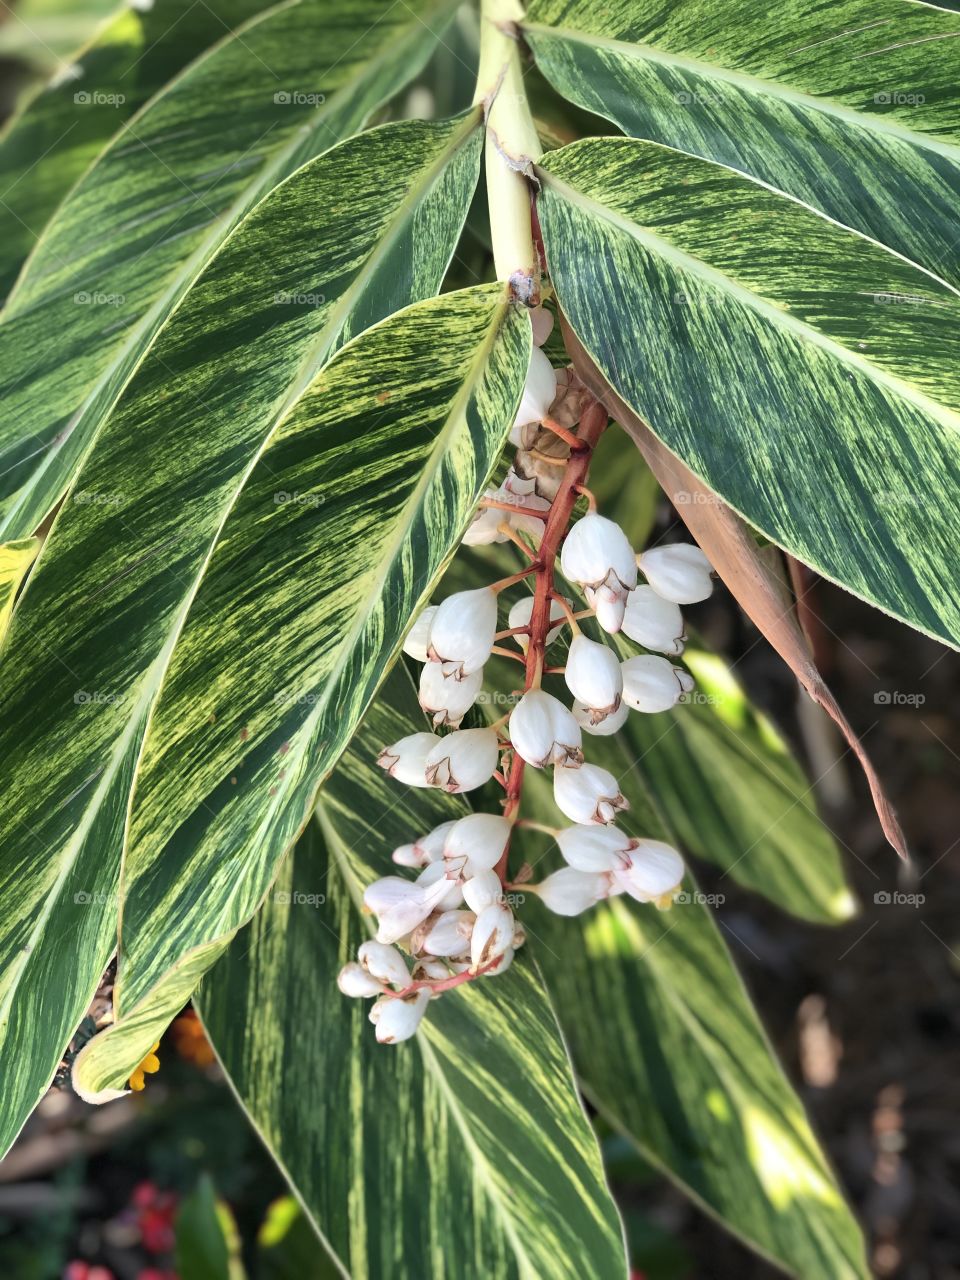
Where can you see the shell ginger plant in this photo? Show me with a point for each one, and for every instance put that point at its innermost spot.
(265, 365)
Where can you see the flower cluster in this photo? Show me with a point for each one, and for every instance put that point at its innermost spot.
(452, 923)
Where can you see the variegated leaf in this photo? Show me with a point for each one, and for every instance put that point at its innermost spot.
(314, 263)
(339, 535)
(144, 220)
(758, 341)
(15, 561)
(464, 1151)
(851, 107)
(62, 128)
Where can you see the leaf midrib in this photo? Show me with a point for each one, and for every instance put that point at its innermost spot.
(769, 311)
(750, 84)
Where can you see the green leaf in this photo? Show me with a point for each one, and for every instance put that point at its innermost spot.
(207, 1241)
(731, 792)
(684, 1067)
(143, 222)
(55, 135)
(90, 640)
(464, 1151)
(15, 561)
(850, 107)
(746, 332)
(384, 459)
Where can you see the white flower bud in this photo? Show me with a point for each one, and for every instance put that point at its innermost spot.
(445, 696)
(397, 1019)
(542, 321)
(587, 794)
(597, 555)
(485, 527)
(521, 613)
(593, 676)
(418, 637)
(680, 572)
(604, 728)
(569, 892)
(463, 760)
(428, 967)
(424, 849)
(384, 963)
(476, 842)
(651, 870)
(449, 934)
(543, 731)
(463, 628)
(653, 684)
(406, 760)
(399, 906)
(492, 934)
(407, 855)
(653, 622)
(355, 981)
(539, 392)
(482, 889)
(593, 848)
(443, 883)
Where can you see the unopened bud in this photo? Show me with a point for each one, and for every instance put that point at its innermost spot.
(482, 889)
(406, 760)
(449, 934)
(521, 613)
(650, 871)
(593, 676)
(492, 934)
(539, 391)
(679, 572)
(463, 628)
(463, 760)
(653, 684)
(384, 963)
(476, 842)
(604, 728)
(569, 892)
(397, 1019)
(593, 848)
(544, 732)
(597, 555)
(445, 696)
(653, 622)
(356, 982)
(418, 637)
(587, 794)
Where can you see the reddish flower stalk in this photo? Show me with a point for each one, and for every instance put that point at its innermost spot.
(593, 420)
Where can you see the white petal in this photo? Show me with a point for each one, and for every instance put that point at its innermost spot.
(593, 675)
(418, 637)
(463, 760)
(492, 934)
(485, 526)
(539, 390)
(609, 605)
(542, 321)
(406, 760)
(450, 933)
(355, 981)
(384, 963)
(652, 684)
(680, 572)
(543, 731)
(610, 724)
(568, 892)
(398, 1019)
(443, 885)
(587, 794)
(653, 622)
(593, 548)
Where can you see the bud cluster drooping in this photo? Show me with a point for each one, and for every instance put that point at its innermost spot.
(453, 922)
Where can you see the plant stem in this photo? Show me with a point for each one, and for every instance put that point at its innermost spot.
(512, 148)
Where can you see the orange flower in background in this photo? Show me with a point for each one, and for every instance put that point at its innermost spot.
(191, 1040)
(149, 1065)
